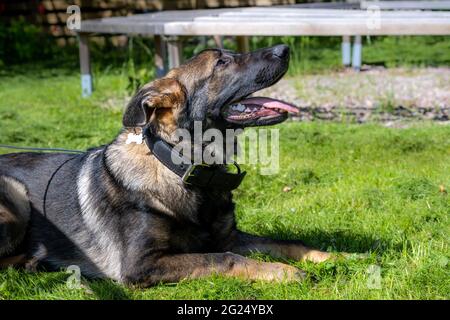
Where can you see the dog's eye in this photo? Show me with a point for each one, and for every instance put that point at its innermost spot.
(223, 61)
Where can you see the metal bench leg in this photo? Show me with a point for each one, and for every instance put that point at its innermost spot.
(174, 49)
(242, 44)
(218, 41)
(85, 65)
(160, 56)
(357, 52)
(346, 51)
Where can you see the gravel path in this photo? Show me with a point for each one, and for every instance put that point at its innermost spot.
(377, 94)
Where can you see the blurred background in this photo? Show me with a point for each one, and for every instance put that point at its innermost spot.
(35, 32)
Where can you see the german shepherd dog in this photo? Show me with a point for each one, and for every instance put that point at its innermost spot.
(118, 212)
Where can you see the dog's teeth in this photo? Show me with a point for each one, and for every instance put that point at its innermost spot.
(239, 107)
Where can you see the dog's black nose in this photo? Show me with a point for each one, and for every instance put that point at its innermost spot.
(281, 51)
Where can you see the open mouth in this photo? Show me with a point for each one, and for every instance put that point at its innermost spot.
(257, 111)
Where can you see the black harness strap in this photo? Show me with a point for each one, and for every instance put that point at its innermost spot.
(40, 149)
(44, 201)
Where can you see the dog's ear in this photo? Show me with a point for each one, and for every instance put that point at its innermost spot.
(162, 93)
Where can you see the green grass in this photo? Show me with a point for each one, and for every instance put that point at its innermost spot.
(355, 188)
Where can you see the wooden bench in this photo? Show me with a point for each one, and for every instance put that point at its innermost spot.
(168, 26)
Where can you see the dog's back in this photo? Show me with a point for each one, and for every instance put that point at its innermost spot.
(33, 170)
(34, 220)
(20, 173)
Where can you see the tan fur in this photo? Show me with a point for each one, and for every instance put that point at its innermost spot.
(165, 99)
(138, 171)
(197, 69)
(250, 269)
(279, 249)
(194, 265)
(14, 219)
(14, 261)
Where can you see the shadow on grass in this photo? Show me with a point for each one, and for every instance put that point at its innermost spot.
(108, 290)
(340, 241)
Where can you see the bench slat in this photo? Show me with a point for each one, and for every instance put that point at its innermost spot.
(321, 27)
(274, 21)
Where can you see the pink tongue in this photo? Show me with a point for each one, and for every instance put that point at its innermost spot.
(270, 104)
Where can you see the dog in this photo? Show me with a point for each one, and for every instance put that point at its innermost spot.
(125, 212)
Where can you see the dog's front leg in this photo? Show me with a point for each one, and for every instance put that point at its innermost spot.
(176, 267)
(292, 249)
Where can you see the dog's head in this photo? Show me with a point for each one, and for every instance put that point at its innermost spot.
(213, 87)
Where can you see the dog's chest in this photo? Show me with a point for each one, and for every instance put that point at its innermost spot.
(211, 228)
(203, 227)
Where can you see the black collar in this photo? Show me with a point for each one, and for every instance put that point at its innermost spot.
(199, 175)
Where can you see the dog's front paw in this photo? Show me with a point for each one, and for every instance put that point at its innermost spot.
(325, 256)
(279, 272)
(317, 256)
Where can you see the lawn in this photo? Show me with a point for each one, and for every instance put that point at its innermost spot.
(354, 188)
